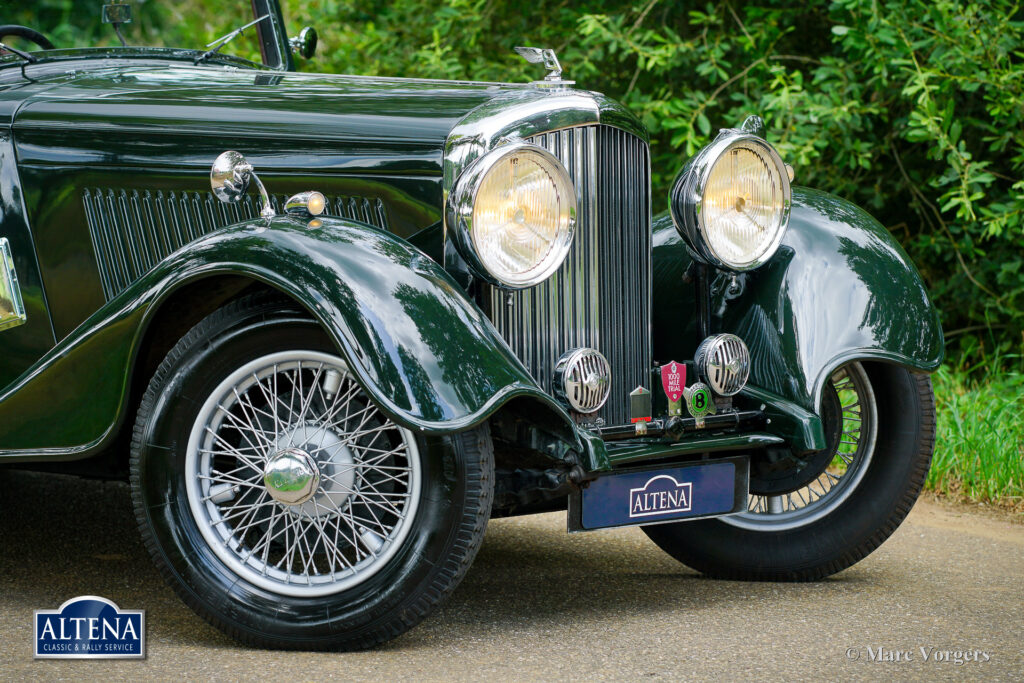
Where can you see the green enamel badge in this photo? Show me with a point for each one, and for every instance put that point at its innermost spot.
(699, 402)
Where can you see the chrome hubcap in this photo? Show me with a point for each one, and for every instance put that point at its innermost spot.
(334, 464)
(291, 476)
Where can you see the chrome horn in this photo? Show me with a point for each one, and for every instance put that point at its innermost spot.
(230, 176)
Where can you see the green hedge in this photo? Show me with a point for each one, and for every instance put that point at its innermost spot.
(915, 110)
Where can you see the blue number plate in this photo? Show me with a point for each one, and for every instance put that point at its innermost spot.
(649, 496)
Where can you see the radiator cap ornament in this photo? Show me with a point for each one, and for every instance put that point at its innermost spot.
(547, 56)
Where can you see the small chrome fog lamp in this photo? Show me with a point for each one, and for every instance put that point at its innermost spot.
(310, 203)
(583, 380)
(723, 361)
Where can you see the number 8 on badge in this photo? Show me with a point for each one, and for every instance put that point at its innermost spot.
(699, 402)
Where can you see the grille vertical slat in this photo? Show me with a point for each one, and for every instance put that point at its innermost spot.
(600, 297)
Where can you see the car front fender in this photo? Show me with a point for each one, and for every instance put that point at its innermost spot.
(425, 353)
(839, 288)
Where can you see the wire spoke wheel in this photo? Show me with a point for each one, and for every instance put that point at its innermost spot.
(811, 515)
(297, 482)
(281, 504)
(851, 452)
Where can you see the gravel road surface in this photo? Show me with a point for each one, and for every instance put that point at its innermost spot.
(541, 605)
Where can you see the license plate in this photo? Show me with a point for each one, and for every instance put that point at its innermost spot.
(662, 494)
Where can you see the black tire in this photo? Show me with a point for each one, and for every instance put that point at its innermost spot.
(446, 530)
(848, 533)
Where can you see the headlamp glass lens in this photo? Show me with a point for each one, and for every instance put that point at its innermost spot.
(743, 206)
(523, 218)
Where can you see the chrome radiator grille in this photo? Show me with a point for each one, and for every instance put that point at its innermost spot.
(600, 297)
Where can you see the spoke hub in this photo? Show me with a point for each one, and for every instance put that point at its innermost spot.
(291, 476)
(335, 470)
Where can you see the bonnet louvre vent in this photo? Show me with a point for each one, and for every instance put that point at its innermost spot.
(132, 231)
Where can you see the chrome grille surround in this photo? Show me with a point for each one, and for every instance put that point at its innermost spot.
(600, 297)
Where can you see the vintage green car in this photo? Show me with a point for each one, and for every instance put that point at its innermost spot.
(328, 326)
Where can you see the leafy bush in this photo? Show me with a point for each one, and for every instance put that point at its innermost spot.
(913, 109)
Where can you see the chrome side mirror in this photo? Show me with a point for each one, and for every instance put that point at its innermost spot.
(304, 44)
(230, 176)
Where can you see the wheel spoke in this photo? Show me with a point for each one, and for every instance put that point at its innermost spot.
(229, 479)
(236, 452)
(840, 474)
(245, 429)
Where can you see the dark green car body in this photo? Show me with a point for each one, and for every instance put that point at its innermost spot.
(119, 248)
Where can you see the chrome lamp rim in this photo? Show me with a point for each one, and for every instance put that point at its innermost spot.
(687, 196)
(462, 200)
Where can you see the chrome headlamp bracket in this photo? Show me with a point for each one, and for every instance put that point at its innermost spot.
(462, 199)
(687, 195)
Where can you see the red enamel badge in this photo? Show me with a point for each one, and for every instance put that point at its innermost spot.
(673, 379)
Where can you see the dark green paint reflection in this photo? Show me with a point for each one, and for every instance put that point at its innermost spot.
(426, 354)
(838, 288)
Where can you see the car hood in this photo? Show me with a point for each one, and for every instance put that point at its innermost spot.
(218, 99)
(166, 101)
(410, 118)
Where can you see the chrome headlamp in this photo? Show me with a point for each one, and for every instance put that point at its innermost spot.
(512, 214)
(731, 201)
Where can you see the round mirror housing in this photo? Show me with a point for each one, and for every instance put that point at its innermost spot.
(230, 177)
(304, 44)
